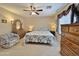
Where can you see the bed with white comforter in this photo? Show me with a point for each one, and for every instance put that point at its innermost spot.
(40, 37)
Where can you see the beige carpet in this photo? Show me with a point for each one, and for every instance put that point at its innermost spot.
(31, 50)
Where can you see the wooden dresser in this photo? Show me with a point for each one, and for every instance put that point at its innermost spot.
(70, 40)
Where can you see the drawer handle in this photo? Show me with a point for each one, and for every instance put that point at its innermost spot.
(77, 30)
(63, 34)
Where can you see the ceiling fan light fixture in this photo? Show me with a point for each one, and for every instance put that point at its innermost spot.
(33, 10)
(33, 13)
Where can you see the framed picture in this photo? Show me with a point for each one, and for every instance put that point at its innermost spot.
(4, 21)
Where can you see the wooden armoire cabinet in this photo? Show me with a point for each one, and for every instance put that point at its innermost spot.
(70, 40)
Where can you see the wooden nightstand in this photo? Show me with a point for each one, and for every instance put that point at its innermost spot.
(53, 32)
(28, 31)
(21, 33)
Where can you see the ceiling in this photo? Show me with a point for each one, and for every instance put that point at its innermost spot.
(17, 8)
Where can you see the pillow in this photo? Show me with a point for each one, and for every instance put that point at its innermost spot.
(41, 29)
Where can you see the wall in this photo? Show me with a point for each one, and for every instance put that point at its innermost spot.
(27, 21)
(5, 14)
(37, 22)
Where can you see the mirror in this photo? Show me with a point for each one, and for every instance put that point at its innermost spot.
(17, 25)
(17, 28)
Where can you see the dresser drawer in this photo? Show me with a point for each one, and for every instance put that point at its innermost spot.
(69, 47)
(74, 29)
(72, 38)
(64, 29)
(66, 50)
(73, 47)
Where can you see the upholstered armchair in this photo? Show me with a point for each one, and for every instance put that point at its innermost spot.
(8, 40)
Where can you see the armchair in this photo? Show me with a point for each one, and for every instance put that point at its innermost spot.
(8, 40)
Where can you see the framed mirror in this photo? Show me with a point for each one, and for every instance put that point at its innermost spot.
(17, 25)
(17, 28)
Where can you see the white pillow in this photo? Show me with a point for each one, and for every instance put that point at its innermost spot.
(41, 29)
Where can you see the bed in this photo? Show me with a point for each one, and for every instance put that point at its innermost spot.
(45, 37)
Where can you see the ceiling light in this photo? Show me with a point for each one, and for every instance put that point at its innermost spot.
(33, 13)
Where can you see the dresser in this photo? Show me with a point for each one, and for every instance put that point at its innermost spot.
(70, 40)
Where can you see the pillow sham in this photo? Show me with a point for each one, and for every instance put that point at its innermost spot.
(41, 29)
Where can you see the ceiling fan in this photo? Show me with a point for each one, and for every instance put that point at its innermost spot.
(33, 10)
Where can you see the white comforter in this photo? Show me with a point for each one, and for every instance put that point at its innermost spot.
(40, 36)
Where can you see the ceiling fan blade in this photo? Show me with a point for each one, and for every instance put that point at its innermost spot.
(40, 10)
(31, 7)
(27, 10)
(37, 13)
(33, 10)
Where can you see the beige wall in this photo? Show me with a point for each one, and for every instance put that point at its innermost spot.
(5, 14)
(37, 22)
(27, 21)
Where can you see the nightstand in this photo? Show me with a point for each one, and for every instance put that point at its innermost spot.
(53, 32)
(21, 33)
(28, 31)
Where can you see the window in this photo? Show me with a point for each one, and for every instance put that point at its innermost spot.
(64, 20)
